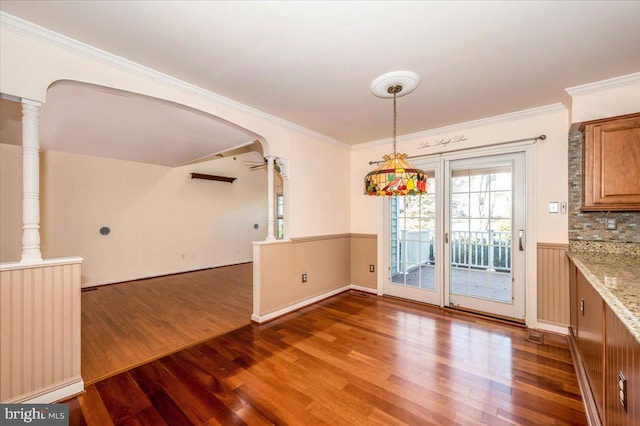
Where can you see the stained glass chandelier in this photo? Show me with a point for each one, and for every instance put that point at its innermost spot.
(395, 176)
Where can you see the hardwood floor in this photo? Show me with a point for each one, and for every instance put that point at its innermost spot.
(349, 360)
(128, 324)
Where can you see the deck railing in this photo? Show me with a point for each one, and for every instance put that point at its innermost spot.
(488, 250)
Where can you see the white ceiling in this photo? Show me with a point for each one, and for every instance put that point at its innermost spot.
(311, 63)
(94, 120)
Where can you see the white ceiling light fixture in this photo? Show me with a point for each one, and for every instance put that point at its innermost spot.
(395, 176)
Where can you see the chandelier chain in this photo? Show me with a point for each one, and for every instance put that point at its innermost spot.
(394, 123)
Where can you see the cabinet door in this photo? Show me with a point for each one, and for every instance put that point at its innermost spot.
(622, 355)
(573, 302)
(590, 338)
(611, 159)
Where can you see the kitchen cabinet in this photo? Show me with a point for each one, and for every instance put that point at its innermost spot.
(573, 307)
(605, 353)
(612, 164)
(622, 353)
(590, 339)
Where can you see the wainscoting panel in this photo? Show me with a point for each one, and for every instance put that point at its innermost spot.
(39, 330)
(331, 263)
(364, 252)
(275, 276)
(325, 260)
(622, 354)
(553, 284)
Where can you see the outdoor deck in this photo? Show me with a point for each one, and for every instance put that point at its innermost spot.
(464, 281)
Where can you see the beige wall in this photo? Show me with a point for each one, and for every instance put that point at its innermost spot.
(161, 220)
(10, 203)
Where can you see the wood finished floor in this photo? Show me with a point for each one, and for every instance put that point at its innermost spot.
(125, 325)
(349, 360)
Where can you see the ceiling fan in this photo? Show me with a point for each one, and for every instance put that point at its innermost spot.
(257, 165)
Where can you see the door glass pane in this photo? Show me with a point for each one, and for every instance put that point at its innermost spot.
(480, 241)
(460, 205)
(413, 243)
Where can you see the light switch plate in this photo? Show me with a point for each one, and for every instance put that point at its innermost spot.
(553, 207)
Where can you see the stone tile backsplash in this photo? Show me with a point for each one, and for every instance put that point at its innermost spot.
(589, 226)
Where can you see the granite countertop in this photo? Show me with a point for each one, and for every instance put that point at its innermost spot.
(616, 277)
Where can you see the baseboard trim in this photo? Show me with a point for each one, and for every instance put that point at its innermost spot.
(590, 408)
(51, 394)
(364, 289)
(553, 328)
(146, 277)
(261, 319)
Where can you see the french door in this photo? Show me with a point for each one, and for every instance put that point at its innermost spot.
(415, 231)
(462, 244)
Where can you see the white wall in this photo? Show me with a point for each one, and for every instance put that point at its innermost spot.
(551, 168)
(156, 215)
(319, 200)
(29, 64)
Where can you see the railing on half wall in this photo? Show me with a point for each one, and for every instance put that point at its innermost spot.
(484, 250)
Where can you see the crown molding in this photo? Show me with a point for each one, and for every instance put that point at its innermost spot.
(599, 86)
(497, 119)
(29, 29)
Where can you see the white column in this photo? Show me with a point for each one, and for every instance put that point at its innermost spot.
(270, 195)
(30, 182)
(283, 165)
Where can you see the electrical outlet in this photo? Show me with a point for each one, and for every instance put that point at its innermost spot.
(372, 268)
(304, 278)
(622, 388)
(611, 224)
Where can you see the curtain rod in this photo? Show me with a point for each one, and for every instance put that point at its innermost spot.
(535, 138)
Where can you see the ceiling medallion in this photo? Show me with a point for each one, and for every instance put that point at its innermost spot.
(395, 176)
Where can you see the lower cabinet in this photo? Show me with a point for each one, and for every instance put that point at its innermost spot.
(590, 338)
(622, 354)
(573, 297)
(610, 356)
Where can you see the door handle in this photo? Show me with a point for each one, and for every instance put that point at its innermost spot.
(446, 238)
(520, 235)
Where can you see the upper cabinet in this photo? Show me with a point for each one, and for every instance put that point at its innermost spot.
(612, 164)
